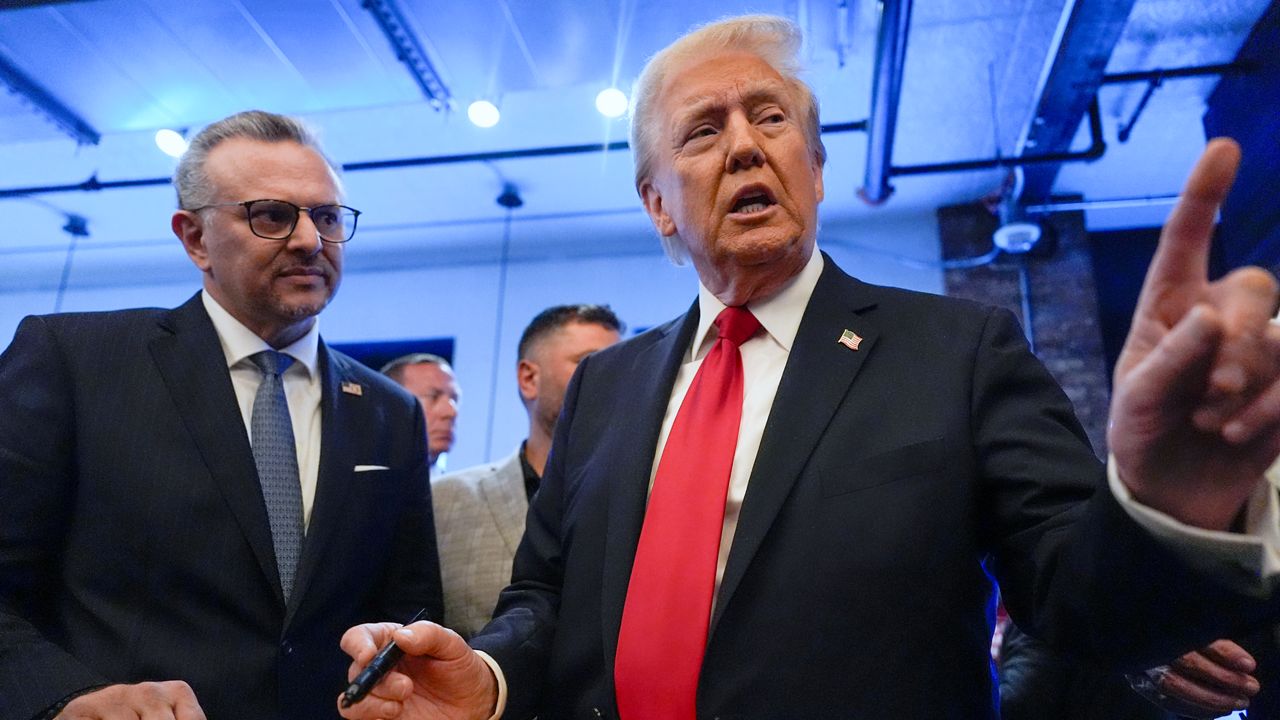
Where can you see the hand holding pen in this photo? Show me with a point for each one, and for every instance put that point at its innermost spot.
(438, 676)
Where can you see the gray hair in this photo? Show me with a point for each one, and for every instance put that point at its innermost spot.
(190, 179)
(773, 39)
(395, 368)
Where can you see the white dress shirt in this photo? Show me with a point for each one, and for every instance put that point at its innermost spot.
(764, 357)
(301, 388)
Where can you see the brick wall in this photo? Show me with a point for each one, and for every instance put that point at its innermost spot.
(1063, 301)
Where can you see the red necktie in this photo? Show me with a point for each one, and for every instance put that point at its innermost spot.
(668, 606)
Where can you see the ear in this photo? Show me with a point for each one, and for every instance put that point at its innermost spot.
(527, 373)
(189, 227)
(817, 178)
(653, 205)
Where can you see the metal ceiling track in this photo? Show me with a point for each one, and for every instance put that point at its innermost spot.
(93, 184)
(410, 51)
(46, 104)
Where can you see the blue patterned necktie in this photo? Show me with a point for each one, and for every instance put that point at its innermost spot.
(277, 459)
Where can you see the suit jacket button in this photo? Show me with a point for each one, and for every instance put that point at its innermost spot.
(286, 647)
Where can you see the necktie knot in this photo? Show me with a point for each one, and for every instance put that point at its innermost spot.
(736, 324)
(271, 362)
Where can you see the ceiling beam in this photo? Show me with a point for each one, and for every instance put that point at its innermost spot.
(409, 50)
(20, 84)
(1083, 51)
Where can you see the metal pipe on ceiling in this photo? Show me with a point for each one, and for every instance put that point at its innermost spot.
(94, 184)
(1097, 148)
(886, 89)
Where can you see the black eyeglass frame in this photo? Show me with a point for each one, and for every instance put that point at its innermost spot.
(297, 211)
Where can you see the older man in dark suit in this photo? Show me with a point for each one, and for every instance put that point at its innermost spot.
(786, 503)
(196, 503)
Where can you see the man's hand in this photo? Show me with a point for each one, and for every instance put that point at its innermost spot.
(171, 700)
(440, 677)
(1207, 683)
(1195, 420)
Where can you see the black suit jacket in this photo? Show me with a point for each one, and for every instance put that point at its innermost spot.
(134, 541)
(889, 482)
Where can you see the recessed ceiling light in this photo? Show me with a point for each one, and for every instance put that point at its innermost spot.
(611, 102)
(483, 113)
(171, 142)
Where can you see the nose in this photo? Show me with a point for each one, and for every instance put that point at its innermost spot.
(449, 409)
(305, 238)
(745, 151)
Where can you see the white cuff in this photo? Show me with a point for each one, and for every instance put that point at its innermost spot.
(501, 705)
(1255, 552)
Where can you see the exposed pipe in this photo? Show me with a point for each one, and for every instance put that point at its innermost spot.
(1234, 68)
(886, 89)
(1107, 204)
(93, 183)
(1097, 148)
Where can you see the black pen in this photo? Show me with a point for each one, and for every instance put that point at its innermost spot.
(377, 668)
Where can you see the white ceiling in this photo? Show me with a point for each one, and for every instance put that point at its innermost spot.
(129, 67)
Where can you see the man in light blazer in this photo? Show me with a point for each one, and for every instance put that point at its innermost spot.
(875, 459)
(195, 503)
(480, 511)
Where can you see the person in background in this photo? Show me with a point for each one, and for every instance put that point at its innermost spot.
(785, 503)
(195, 503)
(430, 378)
(480, 511)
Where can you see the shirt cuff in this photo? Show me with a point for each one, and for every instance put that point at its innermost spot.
(501, 706)
(1255, 553)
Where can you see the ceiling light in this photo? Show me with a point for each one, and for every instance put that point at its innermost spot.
(483, 113)
(611, 102)
(171, 142)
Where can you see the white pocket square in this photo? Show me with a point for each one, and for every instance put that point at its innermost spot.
(367, 468)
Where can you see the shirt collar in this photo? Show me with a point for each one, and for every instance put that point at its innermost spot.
(778, 314)
(239, 342)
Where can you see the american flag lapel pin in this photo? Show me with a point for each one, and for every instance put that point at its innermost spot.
(352, 388)
(850, 339)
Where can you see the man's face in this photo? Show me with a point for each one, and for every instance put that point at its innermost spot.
(545, 374)
(733, 173)
(274, 287)
(437, 390)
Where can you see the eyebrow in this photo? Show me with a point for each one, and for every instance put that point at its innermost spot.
(753, 93)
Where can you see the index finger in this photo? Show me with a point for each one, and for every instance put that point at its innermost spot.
(1231, 655)
(1182, 256)
(362, 642)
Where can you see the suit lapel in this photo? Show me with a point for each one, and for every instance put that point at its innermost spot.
(503, 491)
(817, 377)
(342, 418)
(193, 365)
(629, 486)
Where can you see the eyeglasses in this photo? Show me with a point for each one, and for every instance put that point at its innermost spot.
(276, 219)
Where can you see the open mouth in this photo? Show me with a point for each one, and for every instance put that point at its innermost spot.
(752, 200)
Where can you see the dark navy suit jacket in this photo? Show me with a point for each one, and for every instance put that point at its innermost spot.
(134, 541)
(891, 483)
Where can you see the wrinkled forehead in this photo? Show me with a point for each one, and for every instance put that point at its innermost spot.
(716, 81)
(242, 164)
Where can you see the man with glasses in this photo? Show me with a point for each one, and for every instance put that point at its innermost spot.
(196, 503)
